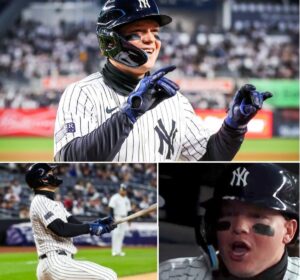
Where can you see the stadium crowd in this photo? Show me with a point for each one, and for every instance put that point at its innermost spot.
(32, 51)
(86, 190)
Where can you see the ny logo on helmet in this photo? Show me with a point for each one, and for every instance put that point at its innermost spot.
(144, 4)
(239, 176)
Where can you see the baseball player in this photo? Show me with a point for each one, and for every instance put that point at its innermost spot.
(53, 229)
(119, 206)
(251, 219)
(125, 113)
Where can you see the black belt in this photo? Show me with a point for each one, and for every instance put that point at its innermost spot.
(59, 252)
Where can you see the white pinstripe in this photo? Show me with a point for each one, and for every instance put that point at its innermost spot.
(43, 211)
(85, 103)
(60, 267)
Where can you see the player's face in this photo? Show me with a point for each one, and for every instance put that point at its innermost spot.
(143, 34)
(251, 239)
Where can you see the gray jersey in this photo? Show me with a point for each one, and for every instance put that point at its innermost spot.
(186, 269)
(199, 269)
(170, 131)
(44, 211)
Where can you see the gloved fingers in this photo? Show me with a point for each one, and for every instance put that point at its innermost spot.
(168, 89)
(170, 83)
(266, 95)
(107, 220)
(155, 77)
(243, 92)
(165, 70)
(247, 88)
(247, 109)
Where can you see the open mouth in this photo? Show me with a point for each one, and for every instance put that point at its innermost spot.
(239, 250)
(148, 51)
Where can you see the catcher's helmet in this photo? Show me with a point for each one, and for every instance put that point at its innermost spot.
(116, 13)
(263, 184)
(37, 176)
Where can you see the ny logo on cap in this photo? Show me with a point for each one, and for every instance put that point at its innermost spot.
(144, 4)
(239, 176)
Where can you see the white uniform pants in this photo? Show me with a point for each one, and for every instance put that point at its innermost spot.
(117, 237)
(61, 267)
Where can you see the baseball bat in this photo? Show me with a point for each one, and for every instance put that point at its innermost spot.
(140, 213)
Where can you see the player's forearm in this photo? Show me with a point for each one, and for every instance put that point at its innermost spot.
(225, 144)
(63, 229)
(102, 144)
(73, 220)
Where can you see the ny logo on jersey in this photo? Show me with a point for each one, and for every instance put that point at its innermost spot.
(166, 137)
(239, 176)
(144, 4)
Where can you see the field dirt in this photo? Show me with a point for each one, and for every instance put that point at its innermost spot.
(28, 156)
(147, 276)
(48, 157)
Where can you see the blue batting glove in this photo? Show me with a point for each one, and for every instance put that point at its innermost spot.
(149, 92)
(245, 105)
(102, 226)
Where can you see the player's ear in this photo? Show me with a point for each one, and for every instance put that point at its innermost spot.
(291, 228)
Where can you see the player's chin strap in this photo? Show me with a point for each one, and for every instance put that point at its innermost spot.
(51, 180)
(116, 47)
(206, 247)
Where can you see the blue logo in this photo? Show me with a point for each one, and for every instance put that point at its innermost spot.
(70, 127)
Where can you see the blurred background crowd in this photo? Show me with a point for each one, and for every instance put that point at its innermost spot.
(86, 189)
(33, 49)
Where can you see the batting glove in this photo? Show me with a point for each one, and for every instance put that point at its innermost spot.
(245, 105)
(102, 226)
(149, 92)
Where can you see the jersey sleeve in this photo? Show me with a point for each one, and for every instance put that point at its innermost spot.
(75, 116)
(196, 135)
(178, 269)
(46, 210)
(112, 202)
(128, 205)
(78, 134)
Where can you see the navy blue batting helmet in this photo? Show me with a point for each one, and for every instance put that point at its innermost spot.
(37, 175)
(116, 13)
(265, 185)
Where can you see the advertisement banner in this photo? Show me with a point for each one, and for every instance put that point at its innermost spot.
(139, 234)
(285, 92)
(259, 127)
(27, 122)
(286, 123)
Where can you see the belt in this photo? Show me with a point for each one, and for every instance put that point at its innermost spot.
(59, 252)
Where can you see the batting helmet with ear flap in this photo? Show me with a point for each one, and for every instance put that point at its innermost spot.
(37, 175)
(116, 13)
(265, 185)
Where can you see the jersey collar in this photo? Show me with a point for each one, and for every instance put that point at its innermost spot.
(119, 81)
(48, 194)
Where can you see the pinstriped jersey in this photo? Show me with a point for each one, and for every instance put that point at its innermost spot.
(199, 269)
(170, 131)
(293, 269)
(44, 211)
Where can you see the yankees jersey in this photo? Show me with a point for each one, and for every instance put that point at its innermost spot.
(170, 131)
(44, 211)
(120, 204)
(199, 269)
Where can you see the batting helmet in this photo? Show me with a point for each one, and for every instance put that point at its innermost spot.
(262, 184)
(37, 175)
(116, 13)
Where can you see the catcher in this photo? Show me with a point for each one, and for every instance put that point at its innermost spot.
(251, 219)
(53, 229)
